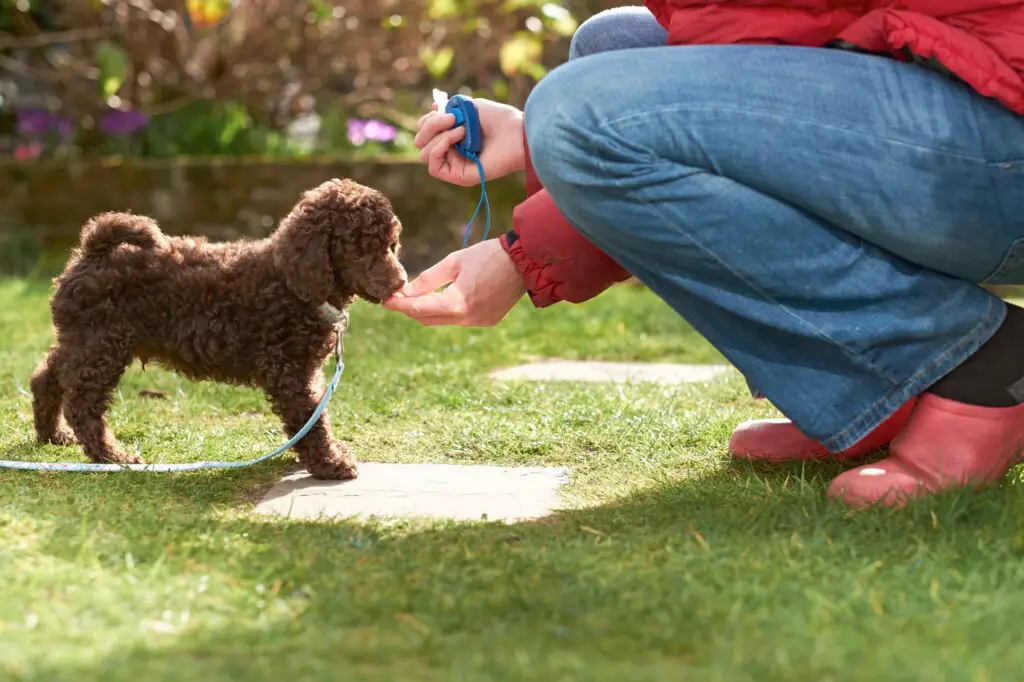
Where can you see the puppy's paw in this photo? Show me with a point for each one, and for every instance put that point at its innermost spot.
(334, 470)
(119, 457)
(340, 466)
(62, 436)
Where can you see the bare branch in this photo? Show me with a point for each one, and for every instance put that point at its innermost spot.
(170, 106)
(46, 75)
(271, 55)
(7, 41)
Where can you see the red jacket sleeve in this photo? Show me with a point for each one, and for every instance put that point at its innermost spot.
(555, 261)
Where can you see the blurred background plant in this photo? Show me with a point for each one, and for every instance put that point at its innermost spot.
(274, 78)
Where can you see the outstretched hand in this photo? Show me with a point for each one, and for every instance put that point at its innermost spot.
(483, 286)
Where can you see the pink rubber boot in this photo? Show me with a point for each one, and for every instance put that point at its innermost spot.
(945, 444)
(779, 440)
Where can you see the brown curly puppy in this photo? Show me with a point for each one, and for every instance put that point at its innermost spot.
(246, 312)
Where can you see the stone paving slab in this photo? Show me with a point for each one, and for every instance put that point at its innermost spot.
(614, 372)
(439, 491)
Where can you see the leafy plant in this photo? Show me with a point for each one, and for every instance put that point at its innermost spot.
(224, 76)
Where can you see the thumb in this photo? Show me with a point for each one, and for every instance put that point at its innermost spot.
(434, 277)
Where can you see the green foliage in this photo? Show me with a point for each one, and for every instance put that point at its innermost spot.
(446, 9)
(210, 128)
(512, 43)
(6, 15)
(522, 53)
(437, 62)
(112, 62)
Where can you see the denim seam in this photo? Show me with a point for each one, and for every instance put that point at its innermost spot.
(992, 172)
(1013, 254)
(992, 169)
(837, 442)
(627, 122)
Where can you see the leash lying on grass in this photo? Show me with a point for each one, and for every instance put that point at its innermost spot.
(340, 319)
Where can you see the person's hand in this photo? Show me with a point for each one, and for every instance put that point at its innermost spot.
(484, 287)
(501, 127)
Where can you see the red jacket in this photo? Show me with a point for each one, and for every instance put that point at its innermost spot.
(980, 41)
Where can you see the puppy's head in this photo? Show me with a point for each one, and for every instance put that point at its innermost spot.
(340, 241)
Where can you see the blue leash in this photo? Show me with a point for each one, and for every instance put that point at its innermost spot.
(484, 201)
(341, 324)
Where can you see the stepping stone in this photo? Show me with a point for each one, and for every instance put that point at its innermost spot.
(436, 491)
(615, 372)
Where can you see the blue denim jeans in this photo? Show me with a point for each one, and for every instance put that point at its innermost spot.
(822, 217)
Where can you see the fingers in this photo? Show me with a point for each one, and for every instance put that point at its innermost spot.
(483, 286)
(434, 138)
(420, 300)
(434, 277)
(430, 126)
(446, 138)
(437, 156)
(440, 145)
(445, 308)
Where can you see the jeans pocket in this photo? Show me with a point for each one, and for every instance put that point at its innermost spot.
(1011, 269)
(1008, 181)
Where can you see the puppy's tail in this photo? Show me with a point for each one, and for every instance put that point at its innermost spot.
(107, 231)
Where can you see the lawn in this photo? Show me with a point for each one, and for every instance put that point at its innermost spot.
(671, 563)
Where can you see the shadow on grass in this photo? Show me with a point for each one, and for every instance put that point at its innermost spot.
(728, 572)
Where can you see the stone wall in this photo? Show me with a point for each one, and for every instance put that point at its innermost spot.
(43, 206)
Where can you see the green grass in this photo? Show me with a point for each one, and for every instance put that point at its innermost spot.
(672, 563)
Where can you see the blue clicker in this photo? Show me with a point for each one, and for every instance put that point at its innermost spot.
(465, 115)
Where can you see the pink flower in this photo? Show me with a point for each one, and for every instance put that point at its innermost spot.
(360, 132)
(27, 152)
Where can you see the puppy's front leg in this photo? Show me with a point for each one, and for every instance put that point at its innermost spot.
(322, 456)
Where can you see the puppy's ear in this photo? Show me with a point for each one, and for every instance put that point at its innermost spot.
(302, 253)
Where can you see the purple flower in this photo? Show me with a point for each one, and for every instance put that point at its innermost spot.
(123, 123)
(360, 132)
(33, 122)
(37, 123)
(65, 127)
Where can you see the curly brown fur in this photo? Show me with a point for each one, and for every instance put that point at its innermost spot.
(241, 312)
